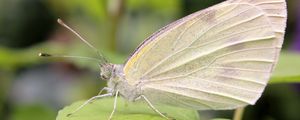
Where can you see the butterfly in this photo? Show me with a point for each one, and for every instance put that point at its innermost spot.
(218, 58)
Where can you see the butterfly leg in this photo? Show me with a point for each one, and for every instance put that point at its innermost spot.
(115, 106)
(109, 90)
(156, 110)
(89, 101)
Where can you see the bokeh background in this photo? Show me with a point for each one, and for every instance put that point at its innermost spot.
(34, 88)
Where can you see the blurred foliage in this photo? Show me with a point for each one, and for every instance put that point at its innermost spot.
(4, 87)
(279, 102)
(287, 69)
(24, 23)
(33, 112)
(190, 6)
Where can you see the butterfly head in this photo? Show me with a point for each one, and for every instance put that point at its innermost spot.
(106, 71)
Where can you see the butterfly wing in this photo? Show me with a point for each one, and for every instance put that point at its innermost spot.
(218, 58)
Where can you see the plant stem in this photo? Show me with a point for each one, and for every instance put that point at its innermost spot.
(238, 113)
(115, 10)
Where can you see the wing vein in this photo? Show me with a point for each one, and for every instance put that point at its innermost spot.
(226, 85)
(233, 34)
(239, 69)
(243, 79)
(156, 65)
(249, 60)
(182, 33)
(209, 52)
(187, 104)
(216, 58)
(172, 91)
(208, 92)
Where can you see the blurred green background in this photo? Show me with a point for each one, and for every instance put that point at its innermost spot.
(34, 88)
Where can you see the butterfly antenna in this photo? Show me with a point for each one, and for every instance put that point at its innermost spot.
(102, 58)
(67, 56)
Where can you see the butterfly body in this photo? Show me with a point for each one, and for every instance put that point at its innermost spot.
(118, 82)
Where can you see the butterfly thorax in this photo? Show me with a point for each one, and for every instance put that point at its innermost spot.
(117, 82)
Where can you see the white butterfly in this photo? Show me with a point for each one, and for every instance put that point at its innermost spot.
(218, 58)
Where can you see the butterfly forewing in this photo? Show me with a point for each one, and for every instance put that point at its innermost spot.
(218, 58)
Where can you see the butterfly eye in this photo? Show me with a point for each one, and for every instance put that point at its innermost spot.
(106, 71)
(104, 75)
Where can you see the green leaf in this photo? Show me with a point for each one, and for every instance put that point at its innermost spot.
(220, 119)
(101, 109)
(287, 69)
(32, 112)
